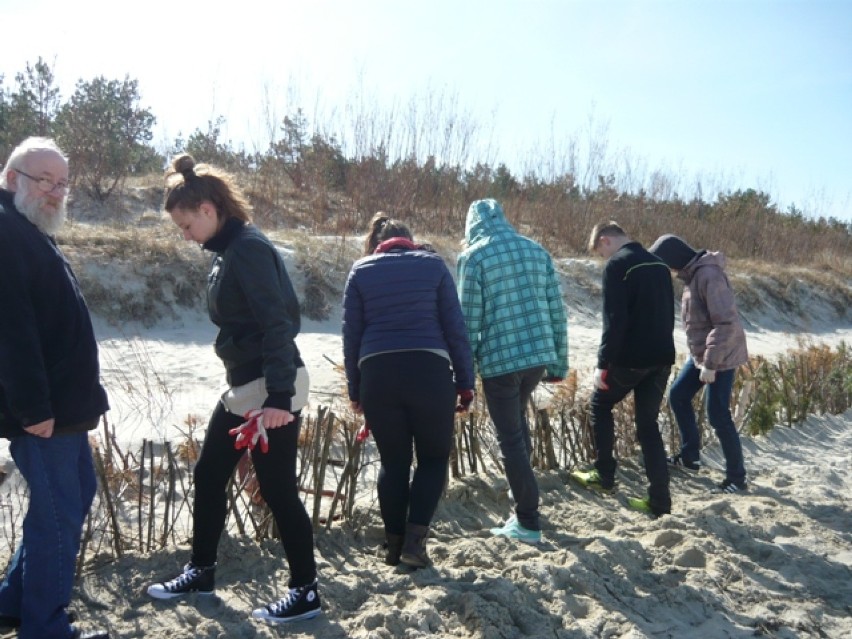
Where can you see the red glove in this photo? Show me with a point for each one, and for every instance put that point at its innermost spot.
(363, 433)
(465, 400)
(251, 432)
(600, 379)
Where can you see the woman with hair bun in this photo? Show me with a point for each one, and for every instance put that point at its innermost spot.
(407, 357)
(252, 301)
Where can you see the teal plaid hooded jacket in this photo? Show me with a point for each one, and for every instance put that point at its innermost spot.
(511, 297)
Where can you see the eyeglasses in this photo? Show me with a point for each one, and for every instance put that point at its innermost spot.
(45, 185)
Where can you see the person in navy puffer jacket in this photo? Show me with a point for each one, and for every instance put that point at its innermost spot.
(407, 358)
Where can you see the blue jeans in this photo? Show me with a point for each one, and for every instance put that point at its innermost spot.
(61, 480)
(507, 397)
(649, 388)
(718, 400)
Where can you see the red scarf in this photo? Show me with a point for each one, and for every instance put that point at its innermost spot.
(396, 243)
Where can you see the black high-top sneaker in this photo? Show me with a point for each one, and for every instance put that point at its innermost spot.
(200, 579)
(299, 603)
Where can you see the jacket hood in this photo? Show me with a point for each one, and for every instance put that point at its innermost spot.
(704, 258)
(7, 198)
(485, 218)
(672, 250)
(7, 202)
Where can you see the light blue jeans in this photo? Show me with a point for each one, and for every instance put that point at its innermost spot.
(61, 480)
(718, 401)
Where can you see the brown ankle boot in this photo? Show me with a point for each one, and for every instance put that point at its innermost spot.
(414, 548)
(393, 548)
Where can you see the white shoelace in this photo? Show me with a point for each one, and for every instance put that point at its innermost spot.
(183, 579)
(285, 602)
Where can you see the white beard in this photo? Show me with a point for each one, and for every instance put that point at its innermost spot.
(47, 220)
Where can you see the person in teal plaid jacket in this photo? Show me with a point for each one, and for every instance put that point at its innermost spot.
(518, 330)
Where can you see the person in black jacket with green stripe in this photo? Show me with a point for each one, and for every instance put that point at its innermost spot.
(636, 355)
(252, 301)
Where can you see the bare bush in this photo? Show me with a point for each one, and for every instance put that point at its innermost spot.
(145, 497)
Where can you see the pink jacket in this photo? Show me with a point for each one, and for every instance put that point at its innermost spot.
(714, 332)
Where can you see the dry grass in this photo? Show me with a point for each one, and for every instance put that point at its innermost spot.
(142, 270)
(135, 272)
(793, 290)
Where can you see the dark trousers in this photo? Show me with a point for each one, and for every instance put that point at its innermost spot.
(649, 387)
(409, 402)
(507, 397)
(276, 475)
(718, 399)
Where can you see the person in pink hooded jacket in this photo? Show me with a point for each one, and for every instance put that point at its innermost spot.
(717, 347)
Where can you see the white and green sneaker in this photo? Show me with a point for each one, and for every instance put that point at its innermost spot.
(640, 504)
(592, 479)
(643, 505)
(512, 529)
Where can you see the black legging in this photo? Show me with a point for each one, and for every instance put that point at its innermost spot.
(409, 397)
(276, 474)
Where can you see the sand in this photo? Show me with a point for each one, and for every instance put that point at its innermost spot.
(774, 562)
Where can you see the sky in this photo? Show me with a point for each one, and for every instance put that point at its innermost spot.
(718, 95)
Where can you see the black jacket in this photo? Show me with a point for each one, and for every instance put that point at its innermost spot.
(638, 311)
(48, 353)
(252, 301)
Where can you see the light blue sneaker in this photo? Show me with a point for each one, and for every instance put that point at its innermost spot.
(512, 529)
(499, 529)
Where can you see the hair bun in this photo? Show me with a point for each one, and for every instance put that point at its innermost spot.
(185, 165)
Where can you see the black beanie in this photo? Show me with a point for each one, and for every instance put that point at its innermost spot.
(673, 251)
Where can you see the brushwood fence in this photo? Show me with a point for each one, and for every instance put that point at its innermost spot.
(144, 502)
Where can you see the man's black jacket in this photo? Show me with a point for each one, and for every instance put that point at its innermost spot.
(638, 311)
(48, 353)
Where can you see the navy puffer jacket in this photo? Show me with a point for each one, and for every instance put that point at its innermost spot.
(403, 298)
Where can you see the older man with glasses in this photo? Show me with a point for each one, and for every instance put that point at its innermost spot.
(50, 392)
